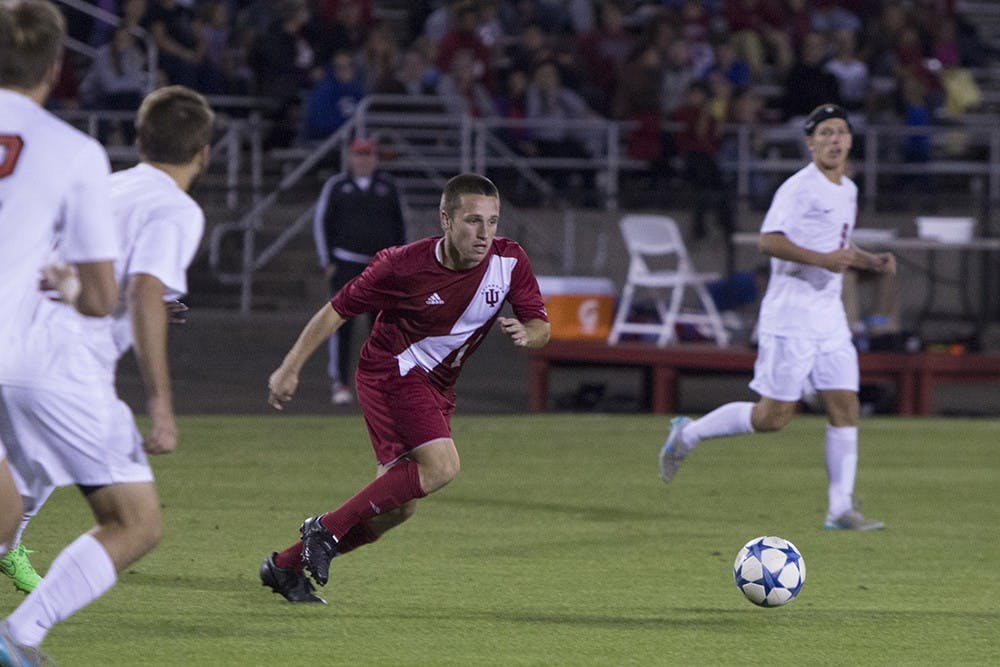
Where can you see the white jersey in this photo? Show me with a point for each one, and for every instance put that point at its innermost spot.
(803, 301)
(161, 227)
(53, 191)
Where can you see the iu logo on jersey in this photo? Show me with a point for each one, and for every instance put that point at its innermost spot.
(493, 295)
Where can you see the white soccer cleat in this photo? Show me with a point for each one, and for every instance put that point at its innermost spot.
(852, 519)
(341, 395)
(672, 453)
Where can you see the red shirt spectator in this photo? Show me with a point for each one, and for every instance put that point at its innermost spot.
(462, 37)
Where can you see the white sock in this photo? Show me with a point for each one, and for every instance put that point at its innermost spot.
(728, 419)
(81, 573)
(841, 466)
(20, 529)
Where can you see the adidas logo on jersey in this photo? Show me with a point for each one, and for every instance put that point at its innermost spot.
(434, 300)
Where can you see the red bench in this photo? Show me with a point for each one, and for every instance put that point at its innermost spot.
(913, 375)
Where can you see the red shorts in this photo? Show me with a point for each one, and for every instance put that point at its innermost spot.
(402, 413)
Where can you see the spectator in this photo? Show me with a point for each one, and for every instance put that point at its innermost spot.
(808, 83)
(213, 23)
(698, 144)
(678, 74)
(490, 28)
(603, 53)
(182, 49)
(553, 18)
(462, 88)
(851, 72)
(638, 101)
(117, 80)
(830, 16)
(531, 47)
(729, 64)
(379, 56)
(961, 92)
(547, 99)
(282, 61)
(747, 111)
(334, 98)
(511, 104)
(341, 24)
(757, 28)
(796, 22)
(330, 12)
(916, 146)
(462, 37)
(412, 76)
(881, 37)
(695, 29)
(911, 61)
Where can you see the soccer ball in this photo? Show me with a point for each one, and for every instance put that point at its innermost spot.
(769, 571)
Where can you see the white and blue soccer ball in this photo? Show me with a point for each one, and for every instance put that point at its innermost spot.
(769, 571)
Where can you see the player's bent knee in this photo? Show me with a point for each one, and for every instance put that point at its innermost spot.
(770, 420)
(439, 476)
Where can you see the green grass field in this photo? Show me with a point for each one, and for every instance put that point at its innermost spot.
(557, 545)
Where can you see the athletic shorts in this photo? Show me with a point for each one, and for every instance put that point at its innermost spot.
(56, 439)
(785, 364)
(402, 413)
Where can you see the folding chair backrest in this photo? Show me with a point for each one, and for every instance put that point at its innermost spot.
(648, 236)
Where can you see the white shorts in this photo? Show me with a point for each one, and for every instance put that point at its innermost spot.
(785, 364)
(60, 438)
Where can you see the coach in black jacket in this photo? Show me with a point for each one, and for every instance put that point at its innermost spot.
(358, 213)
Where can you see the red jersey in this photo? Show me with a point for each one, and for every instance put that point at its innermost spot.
(431, 318)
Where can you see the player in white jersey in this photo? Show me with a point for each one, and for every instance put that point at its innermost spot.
(436, 300)
(803, 331)
(53, 188)
(88, 436)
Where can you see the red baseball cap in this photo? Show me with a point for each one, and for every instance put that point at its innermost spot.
(363, 146)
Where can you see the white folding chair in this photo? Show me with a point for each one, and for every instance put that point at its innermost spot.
(654, 238)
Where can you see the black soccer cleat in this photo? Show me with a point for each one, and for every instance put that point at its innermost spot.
(319, 546)
(293, 584)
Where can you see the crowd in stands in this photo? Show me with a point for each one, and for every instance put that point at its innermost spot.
(700, 63)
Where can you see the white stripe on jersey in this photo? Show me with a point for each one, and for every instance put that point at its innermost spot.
(431, 351)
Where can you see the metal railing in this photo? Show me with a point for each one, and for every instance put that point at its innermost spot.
(425, 139)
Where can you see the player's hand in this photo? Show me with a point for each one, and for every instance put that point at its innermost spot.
(515, 329)
(63, 279)
(281, 387)
(176, 311)
(162, 437)
(840, 260)
(884, 262)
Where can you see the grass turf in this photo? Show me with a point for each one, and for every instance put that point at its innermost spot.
(557, 544)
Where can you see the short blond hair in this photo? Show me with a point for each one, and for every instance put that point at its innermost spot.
(31, 42)
(173, 124)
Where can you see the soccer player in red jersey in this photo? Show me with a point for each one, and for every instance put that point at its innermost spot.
(435, 299)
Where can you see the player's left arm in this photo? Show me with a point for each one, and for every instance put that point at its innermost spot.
(878, 262)
(531, 334)
(144, 297)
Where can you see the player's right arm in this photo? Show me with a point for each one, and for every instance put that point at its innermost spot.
(98, 288)
(285, 380)
(148, 315)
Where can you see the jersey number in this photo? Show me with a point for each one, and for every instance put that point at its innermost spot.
(10, 149)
